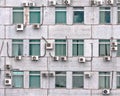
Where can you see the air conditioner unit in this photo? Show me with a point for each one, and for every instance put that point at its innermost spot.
(109, 2)
(51, 74)
(93, 2)
(25, 4)
(87, 74)
(44, 74)
(52, 2)
(32, 4)
(63, 58)
(35, 58)
(114, 48)
(8, 67)
(49, 46)
(106, 91)
(81, 59)
(107, 58)
(118, 2)
(20, 27)
(18, 57)
(8, 82)
(67, 2)
(99, 3)
(56, 58)
(114, 44)
(36, 26)
(8, 74)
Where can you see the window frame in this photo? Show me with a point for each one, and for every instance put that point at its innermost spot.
(35, 10)
(104, 10)
(35, 74)
(18, 75)
(105, 76)
(61, 9)
(35, 43)
(118, 46)
(61, 43)
(63, 74)
(20, 43)
(14, 10)
(79, 9)
(118, 10)
(106, 42)
(79, 42)
(78, 74)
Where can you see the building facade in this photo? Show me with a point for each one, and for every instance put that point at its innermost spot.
(59, 47)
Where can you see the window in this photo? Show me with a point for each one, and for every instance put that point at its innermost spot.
(78, 48)
(104, 47)
(118, 79)
(104, 80)
(60, 47)
(35, 15)
(105, 15)
(77, 80)
(118, 51)
(18, 15)
(78, 15)
(34, 79)
(60, 15)
(17, 47)
(34, 48)
(18, 79)
(118, 15)
(60, 79)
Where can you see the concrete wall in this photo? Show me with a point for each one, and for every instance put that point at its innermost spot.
(91, 31)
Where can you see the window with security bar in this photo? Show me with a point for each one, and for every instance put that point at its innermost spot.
(34, 47)
(104, 80)
(35, 15)
(78, 15)
(105, 15)
(60, 47)
(18, 79)
(34, 79)
(78, 47)
(17, 47)
(60, 15)
(104, 47)
(77, 80)
(18, 15)
(60, 79)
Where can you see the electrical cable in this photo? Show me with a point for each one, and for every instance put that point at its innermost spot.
(1, 48)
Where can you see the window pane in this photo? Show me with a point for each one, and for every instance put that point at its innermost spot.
(118, 51)
(78, 80)
(60, 80)
(119, 17)
(60, 47)
(60, 15)
(34, 81)
(18, 15)
(18, 79)
(34, 48)
(17, 47)
(35, 15)
(118, 79)
(78, 15)
(105, 15)
(104, 47)
(104, 80)
(78, 48)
